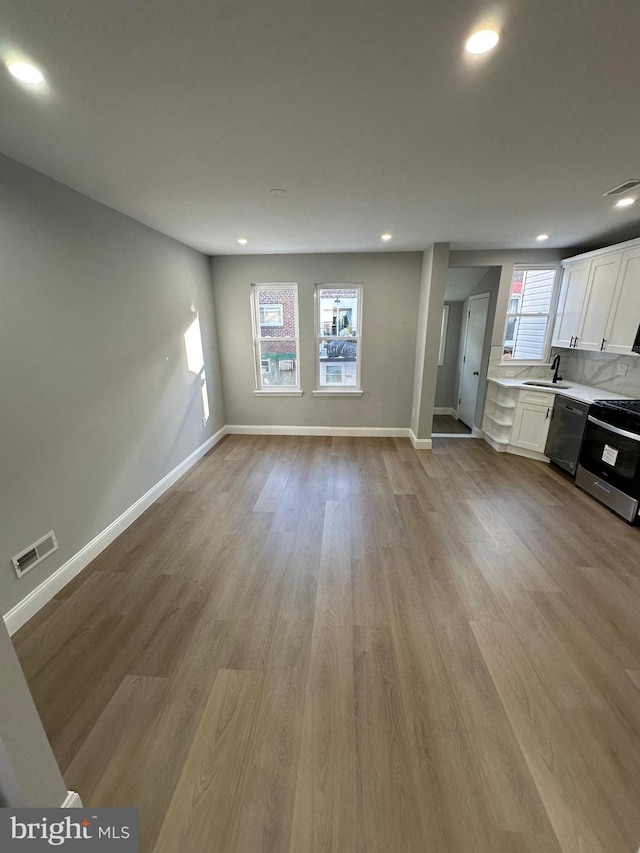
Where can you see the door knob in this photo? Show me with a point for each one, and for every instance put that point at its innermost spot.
(476, 373)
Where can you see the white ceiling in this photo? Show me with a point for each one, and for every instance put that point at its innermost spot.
(184, 113)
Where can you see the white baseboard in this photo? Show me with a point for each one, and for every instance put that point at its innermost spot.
(420, 443)
(72, 801)
(528, 454)
(362, 432)
(51, 586)
(444, 410)
(476, 432)
(517, 451)
(499, 448)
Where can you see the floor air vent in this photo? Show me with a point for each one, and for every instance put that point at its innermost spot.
(34, 554)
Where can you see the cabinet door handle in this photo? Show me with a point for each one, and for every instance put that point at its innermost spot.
(576, 343)
(571, 342)
(603, 344)
(548, 410)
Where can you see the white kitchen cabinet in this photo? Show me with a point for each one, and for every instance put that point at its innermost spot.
(531, 425)
(500, 404)
(599, 304)
(586, 295)
(624, 317)
(517, 420)
(573, 291)
(603, 276)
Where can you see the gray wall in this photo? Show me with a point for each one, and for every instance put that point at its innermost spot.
(97, 404)
(433, 279)
(449, 371)
(29, 775)
(390, 302)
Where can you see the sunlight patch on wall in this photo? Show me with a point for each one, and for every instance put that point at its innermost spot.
(195, 363)
(193, 347)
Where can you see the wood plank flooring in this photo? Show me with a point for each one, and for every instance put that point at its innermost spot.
(449, 424)
(340, 645)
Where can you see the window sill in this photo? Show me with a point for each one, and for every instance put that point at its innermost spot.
(334, 392)
(524, 364)
(278, 393)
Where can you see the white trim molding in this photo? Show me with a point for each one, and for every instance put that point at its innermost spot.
(51, 586)
(72, 801)
(420, 443)
(277, 393)
(445, 410)
(334, 392)
(363, 432)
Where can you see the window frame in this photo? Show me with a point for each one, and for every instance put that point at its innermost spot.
(550, 315)
(339, 390)
(258, 339)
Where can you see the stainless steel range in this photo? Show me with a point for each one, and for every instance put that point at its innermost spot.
(609, 467)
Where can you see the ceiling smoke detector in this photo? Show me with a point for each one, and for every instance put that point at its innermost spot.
(631, 184)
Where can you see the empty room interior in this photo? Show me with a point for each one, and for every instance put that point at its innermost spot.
(320, 423)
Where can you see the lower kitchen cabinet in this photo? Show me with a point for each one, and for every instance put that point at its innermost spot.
(517, 420)
(530, 426)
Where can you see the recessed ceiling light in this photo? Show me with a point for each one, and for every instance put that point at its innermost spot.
(625, 202)
(26, 73)
(482, 41)
(243, 240)
(542, 237)
(386, 236)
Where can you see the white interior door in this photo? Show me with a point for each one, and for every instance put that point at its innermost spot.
(476, 323)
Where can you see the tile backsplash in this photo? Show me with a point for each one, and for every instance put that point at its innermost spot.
(617, 373)
(514, 370)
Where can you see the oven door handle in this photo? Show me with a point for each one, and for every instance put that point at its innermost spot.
(615, 429)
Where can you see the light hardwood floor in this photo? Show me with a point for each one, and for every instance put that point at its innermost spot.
(449, 424)
(339, 645)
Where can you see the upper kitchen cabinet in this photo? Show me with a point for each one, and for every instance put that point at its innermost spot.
(603, 276)
(599, 305)
(624, 317)
(572, 296)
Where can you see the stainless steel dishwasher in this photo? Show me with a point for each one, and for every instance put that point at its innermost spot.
(568, 422)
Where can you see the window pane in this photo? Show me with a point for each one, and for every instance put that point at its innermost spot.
(531, 300)
(277, 313)
(278, 363)
(271, 315)
(529, 335)
(537, 290)
(338, 311)
(338, 362)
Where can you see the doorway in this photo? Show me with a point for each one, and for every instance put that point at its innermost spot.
(473, 346)
(467, 325)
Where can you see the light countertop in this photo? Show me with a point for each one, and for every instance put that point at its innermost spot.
(584, 393)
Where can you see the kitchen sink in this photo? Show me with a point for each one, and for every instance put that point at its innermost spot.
(542, 384)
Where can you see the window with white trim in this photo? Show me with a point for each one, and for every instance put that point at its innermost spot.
(532, 303)
(274, 308)
(338, 336)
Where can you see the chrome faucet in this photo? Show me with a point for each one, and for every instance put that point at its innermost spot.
(555, 366)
